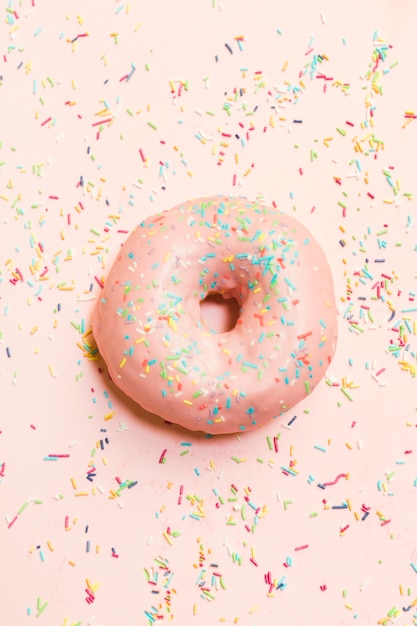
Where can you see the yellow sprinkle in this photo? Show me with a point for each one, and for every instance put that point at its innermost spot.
(71, 563)
(73, 483)
(253, 609)
(97, 548)
(50, 546)
(109, 416)
(122, 362)
(82, 493)
(168, 538)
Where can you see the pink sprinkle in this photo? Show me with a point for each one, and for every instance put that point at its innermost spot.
(101, 122)
(338, 477)
(301, 547)
(12, 522)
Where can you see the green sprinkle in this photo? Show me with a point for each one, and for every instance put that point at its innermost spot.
(22, 508)
(347, 394)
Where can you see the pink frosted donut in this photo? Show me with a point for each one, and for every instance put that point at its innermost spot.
(218, 315)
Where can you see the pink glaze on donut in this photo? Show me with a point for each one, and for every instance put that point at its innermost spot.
(158, 345)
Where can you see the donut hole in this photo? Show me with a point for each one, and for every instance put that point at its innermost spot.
(218, 313)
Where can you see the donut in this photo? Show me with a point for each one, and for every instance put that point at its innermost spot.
(218, 315)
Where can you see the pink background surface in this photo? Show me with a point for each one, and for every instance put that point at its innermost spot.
(55, 399)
